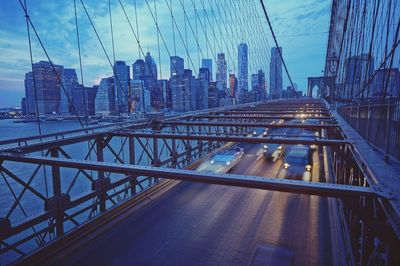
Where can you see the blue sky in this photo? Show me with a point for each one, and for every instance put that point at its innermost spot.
(301, 28)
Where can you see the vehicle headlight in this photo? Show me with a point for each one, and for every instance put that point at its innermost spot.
(212, 161)
(265, 133)
(286, 165)
(308, 167)
(280, 147)
(279, 151)
(265, 146)
(228, 163)
(255, 133)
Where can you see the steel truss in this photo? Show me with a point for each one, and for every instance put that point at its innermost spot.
(123, 160)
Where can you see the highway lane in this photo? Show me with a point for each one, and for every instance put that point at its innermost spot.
(201, 224)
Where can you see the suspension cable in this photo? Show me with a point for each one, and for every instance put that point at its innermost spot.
(276, 43)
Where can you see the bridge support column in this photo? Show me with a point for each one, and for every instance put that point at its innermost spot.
(59, 210)
(132, 157)
(174, 153)
(188, 149)
(100, 176)
(200, 145)
(156, 159)
(133, 183)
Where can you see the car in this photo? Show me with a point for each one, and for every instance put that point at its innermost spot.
(273, 151)
(297, 161)
(258, 131)
(312, 135)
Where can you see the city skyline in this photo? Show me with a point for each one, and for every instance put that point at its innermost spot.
(95, 65)
(137, 88)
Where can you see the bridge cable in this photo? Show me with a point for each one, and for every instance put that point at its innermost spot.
(52, 65)
(277, 45)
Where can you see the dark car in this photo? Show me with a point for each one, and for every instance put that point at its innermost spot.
(297, 161)
(273, 151)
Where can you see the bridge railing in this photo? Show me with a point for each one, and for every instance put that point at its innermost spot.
(34, 216)
(378, 123)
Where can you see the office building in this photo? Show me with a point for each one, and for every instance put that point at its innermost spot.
(202, 93)
(212, 95)
(275, 74)
(176, 66)
(105, 98)
(233, 84)
(358, 71)
(138, 69)
(258, 85)
(207, 63)
(221, 75)
(243, 68)
(122, 83)
(46, 90)
(70, 82)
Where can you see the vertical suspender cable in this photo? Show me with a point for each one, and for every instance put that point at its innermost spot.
(35, 91)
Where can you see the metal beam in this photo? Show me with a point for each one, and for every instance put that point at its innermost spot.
(249, 124)
(260, 116)
(282, 112)
(284, 185)
(230, 138)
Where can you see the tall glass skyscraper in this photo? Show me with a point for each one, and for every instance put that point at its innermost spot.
(122, 83)
(275, 73)
(202, 93)
(47, 86)
(243, 68)
(221, 75)
(105, 98)
(207, 63)
(138, 69)
(150, 82)
(70, 82)
(176, 66)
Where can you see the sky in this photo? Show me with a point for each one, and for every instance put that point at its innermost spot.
(301, 28)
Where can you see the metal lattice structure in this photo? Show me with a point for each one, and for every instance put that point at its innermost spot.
(124, 161)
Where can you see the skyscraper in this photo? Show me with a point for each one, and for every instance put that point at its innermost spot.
(258, 85)
(275, 74)
(137, 96)
(122, 83)
(221, 75)
(138, 69)
(243, 68)
(233, 83)
(48, 88)
(30, 94)
(358, 70)
(207, 63)
(202, 92)
(70, 82)
(212, 95)
(162, 85)
(79, 98)
(105, 98)
(150, 82)
(262, 86)
(176, 66)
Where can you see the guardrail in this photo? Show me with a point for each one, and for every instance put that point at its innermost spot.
(379, 124)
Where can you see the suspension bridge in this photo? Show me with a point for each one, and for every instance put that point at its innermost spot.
(196, 185)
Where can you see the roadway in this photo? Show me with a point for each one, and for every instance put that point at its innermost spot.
(201, 224)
